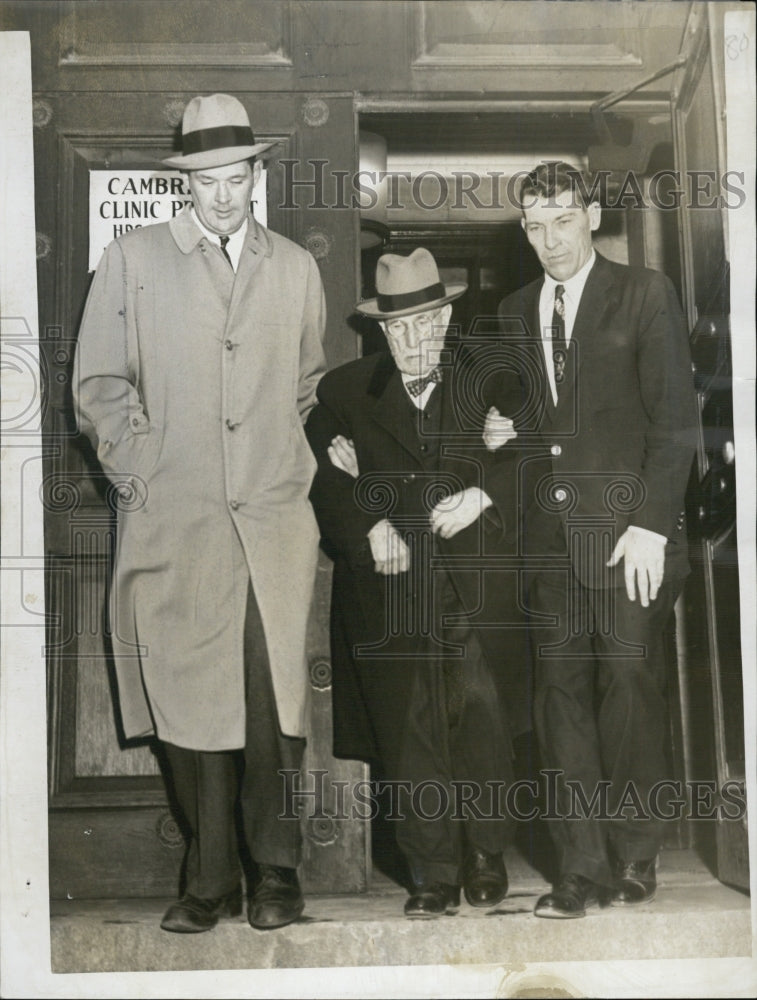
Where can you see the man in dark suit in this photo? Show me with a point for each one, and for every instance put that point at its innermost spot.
(606, 400)
(429, 644)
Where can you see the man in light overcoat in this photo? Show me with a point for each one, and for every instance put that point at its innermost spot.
(199, 353)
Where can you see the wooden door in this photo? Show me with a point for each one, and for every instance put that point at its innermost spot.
(712, 595)
(110, 81)
(112, 830)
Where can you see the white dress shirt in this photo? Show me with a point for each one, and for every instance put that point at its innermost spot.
(236, 240)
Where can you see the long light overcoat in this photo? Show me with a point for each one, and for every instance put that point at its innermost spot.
(193, 383)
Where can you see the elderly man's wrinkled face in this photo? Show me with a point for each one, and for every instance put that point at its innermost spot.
(559, 229)
(222, 195)
(417, 341)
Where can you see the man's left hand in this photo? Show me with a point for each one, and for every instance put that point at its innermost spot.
(457, 511)
(644, 555)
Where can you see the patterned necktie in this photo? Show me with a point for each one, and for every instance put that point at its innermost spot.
(559, 347)
(224, 242)
(417, 385)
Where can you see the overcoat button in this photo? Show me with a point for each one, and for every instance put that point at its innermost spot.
(556, 450)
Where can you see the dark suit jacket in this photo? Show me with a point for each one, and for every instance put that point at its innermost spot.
(365, 401)
(617, 449)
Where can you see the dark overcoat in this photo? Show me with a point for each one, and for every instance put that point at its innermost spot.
(384, 626)
(193, 384)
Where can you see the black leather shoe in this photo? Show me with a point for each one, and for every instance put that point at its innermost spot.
(635, 882)
(571, 897)
(193, 915)
(278, 899)
(484, 878)
(433, 900)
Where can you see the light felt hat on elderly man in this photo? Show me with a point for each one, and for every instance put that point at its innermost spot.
(215, 131)
(407, 285)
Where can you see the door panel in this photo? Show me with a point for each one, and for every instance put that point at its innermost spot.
(109, 90)
(713, 622)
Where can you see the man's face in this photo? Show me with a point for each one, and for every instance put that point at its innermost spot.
(222, 195)
(417, 341)
(559, 229)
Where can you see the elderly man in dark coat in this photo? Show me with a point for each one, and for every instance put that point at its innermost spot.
(429, 646)
(199, 354)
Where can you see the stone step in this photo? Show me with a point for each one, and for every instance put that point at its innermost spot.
(693, 916)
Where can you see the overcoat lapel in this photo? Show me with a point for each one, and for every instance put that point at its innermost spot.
(454, 445)
(257, 247)
(392, 409)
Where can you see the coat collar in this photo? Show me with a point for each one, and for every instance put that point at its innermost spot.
(187, 235)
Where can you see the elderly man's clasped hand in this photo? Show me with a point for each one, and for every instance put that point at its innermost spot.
(450, 515)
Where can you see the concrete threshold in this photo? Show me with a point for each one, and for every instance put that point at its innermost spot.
(692, 916)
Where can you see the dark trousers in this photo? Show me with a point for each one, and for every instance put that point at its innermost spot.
(600, 715)
(207, 784)
(454, 740)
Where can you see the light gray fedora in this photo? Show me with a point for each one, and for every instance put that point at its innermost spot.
(407, 285)
(215, 131)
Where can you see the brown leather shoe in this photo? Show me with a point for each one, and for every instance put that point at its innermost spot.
(278, 899)
(484, 878)
(433, 900)
(193, 915)
(635, 882)
(570, 898)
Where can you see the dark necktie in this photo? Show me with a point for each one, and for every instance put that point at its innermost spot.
(559, 346)
(224, 241)
(417, 385)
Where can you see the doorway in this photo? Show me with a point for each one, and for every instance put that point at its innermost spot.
(452, 180)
